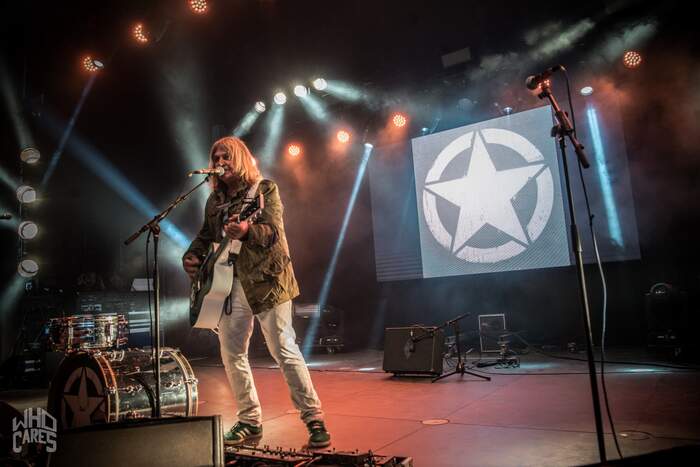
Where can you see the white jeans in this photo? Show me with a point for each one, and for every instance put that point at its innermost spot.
(235, 330)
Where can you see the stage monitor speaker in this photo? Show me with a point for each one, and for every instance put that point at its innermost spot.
(491, 327)
(186, 441)
(413, 350)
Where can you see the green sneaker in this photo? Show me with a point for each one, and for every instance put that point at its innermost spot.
(243, 433)
(318, 436)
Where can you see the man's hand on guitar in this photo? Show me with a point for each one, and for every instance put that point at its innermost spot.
(191, 264)
(236, 230)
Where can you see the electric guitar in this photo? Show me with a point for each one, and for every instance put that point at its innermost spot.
(213, 282)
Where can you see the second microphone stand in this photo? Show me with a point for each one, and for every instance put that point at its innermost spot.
(154, 226)
(460, 368)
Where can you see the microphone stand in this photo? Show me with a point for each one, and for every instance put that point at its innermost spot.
(561, 131)
(460, 367)
(154, 226)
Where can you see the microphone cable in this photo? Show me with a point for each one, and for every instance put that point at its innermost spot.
(600, 269)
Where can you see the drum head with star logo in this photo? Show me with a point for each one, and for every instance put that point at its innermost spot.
(78, 394)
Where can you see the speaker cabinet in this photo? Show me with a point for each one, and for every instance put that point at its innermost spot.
(168, 441)
(491, 327)
(667, 316)
(415, 350)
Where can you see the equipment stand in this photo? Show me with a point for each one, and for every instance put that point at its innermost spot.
(154, 226)
(459, 368)
(561, 131)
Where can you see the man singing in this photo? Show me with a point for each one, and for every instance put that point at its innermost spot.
(264, 286)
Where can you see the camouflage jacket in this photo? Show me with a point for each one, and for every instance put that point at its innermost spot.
(263, 266)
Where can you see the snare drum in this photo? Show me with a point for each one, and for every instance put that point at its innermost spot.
(102, 387)
(105, 331)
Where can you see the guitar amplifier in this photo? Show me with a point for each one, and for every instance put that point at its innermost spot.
(491, 327)
(416, 350)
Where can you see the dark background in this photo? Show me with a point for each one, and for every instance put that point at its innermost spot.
(212, 68)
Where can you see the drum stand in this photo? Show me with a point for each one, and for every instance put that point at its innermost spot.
(154, 227)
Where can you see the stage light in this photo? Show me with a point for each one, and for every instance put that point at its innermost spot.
(198, 6)
(140, 34)
(280, 98)
(398, 120)
(343, 136)
(319, 84)
(586, 90)
(632, 59)
(260, 107)
(294, 150)
(92, 65)
(26, 194)
(30, 155)
(507, 110)
(300, 91)
(27, 268)
(27, 230)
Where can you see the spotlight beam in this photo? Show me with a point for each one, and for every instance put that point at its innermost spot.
(246, 123)
(14, 108)
(8, 180)
(274, 133)
(67, 132)
(315, 107)
(344, 91)
(92, 158)
(614, 228)
(181, 98)
(330, 272)
(9, 299)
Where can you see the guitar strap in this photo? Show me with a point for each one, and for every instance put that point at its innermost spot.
(234, 246)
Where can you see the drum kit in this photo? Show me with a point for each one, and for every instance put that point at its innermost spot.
(101, 380)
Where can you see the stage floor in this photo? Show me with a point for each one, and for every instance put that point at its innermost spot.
(538, 414)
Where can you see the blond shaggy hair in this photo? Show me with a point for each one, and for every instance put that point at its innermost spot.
(242, 160)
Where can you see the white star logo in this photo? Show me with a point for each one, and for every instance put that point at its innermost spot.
(82, 405)
(484, 195)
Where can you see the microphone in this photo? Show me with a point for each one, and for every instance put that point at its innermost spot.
(218, 171)
(5, 216)
(533, 81)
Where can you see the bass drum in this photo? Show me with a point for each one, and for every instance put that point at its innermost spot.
(108, 386)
